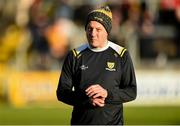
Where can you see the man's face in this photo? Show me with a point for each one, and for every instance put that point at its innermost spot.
(96, 34)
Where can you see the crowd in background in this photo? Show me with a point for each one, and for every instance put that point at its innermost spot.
(37, 34)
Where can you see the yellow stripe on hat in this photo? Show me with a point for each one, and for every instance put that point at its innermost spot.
(109, 14)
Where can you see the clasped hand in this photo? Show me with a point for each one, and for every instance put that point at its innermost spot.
(97, 95)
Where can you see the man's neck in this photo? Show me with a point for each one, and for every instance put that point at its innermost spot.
(99, 49)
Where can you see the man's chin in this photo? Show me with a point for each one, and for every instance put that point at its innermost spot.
(93, 45)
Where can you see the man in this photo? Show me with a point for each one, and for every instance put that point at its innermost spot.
(98, 77)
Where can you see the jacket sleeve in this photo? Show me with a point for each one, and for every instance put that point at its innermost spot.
(127, 90)
(65, 92)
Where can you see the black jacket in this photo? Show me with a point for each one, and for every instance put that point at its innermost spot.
(112, 68)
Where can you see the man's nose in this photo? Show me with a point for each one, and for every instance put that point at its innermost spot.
(93, 32)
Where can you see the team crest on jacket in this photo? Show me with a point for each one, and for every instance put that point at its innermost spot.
(110, 66)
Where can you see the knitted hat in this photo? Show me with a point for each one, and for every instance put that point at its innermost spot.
(102, 15)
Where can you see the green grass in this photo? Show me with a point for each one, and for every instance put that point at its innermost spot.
(38, 116)
(162, 115)
(156, 115)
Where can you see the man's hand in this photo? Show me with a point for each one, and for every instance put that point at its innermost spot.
(97, 94)
(98, 102)
(96, 91)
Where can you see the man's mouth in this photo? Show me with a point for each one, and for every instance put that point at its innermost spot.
(93, 39)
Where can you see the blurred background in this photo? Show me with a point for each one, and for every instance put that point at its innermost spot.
(35, 36)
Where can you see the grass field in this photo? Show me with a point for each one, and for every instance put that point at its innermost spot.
(161, 115)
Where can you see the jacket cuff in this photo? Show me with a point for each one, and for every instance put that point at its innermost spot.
(109, 96)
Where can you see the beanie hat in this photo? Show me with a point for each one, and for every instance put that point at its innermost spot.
(102, 15)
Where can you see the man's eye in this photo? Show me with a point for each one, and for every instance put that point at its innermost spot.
(98, 30)
(89, 29)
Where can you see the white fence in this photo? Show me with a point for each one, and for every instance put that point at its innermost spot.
(158, 88)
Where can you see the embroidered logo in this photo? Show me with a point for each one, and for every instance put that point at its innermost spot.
(110, 66)
(83, 67)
